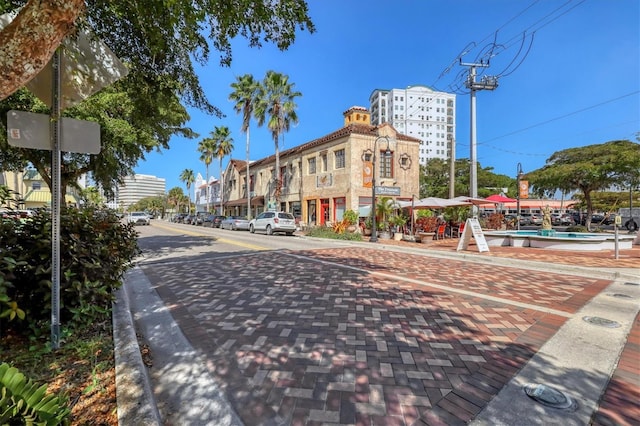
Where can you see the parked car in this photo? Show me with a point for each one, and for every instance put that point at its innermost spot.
(234, 223)
(188, 219)
(535, 219)
(139, 218)
(601, 219)
(213, 220)
(198, 219)
(179, 218)
(525, 219)
(272, 222)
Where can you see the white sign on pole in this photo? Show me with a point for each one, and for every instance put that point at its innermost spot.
(31, 130)
(473, 228)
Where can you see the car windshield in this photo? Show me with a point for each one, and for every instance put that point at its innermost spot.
(286, 216)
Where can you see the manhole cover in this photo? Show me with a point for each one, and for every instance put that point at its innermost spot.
(546, 395)
(620, 295)
(603, 322)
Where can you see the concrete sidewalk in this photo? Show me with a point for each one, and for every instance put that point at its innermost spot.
(184, 386)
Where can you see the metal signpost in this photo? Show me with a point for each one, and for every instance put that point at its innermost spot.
(66, 81)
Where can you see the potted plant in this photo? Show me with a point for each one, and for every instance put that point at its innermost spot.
(351, 219)
(398, 222)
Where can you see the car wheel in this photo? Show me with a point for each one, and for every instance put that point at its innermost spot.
(233, 228)
(289, 234)
(251, 229)
(269, 230)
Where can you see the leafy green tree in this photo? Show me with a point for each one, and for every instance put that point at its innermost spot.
(244, 96)
(588, 169)
(223, 145)
(158, 40)
(276, 105)
(188, 178)
(91, 196)
(434, 179)
(127, 133)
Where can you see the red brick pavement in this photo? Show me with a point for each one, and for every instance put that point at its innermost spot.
(333, 337)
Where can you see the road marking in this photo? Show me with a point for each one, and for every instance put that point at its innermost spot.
(219, 239)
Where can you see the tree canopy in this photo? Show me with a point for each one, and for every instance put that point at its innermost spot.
(434, 179)
(156, 39)
(587, 169)
(159, 42)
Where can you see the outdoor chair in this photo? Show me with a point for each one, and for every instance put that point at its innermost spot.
(440, 235)
(456, 233)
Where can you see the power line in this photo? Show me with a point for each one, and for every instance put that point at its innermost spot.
(561, 117)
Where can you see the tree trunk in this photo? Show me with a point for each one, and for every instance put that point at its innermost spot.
(28, 42)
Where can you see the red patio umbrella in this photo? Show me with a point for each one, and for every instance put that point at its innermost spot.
(497, 198)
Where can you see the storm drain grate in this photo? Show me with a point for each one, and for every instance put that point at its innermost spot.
(631, 284)
(602, 322)
(620, 295)
(546, 395)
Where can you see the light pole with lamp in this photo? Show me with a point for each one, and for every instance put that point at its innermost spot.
(518, 178)
(374, 227)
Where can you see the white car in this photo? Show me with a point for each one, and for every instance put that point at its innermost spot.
(272, 222)
(139, 218)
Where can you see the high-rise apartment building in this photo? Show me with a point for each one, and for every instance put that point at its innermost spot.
(137, 187)
(420, 112)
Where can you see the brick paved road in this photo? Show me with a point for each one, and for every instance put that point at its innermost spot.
(332, 337)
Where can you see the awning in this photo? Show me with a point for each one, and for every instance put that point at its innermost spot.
(255, 201)
(44, 197)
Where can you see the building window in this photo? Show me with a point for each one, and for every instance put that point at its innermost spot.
(323, 160)
(386, 165)
(36, 186)
(283, 176)
(340, 160)
(312, 166)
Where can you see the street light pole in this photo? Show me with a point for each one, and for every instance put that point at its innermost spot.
(374, 227)
(518, 177)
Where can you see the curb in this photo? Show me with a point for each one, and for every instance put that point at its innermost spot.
(136, 404)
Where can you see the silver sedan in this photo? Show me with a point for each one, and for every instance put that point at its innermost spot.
(235, 223)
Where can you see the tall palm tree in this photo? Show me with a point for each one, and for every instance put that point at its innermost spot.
(245, 92)
(223, 145)
(207, 148)
(188, 178)
(276, 104)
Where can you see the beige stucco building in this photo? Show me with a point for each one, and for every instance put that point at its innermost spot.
(323, 178)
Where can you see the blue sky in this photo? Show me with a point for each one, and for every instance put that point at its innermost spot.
(569, 75)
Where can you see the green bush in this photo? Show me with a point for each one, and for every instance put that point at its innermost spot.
(24, 402)
(96, 249)
(350, 216)
(324, 232)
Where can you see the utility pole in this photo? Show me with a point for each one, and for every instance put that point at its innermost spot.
(485, 83)
(452, 169)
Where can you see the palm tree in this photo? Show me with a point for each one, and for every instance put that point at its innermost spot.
(245, 97)
(276, 104)
(207, 148)
(223, 145)
(174, 197)
(188, 178)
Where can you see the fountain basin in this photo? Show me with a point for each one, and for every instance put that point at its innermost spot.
(576, 241)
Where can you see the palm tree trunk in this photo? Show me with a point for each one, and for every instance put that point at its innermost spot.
(248, 181)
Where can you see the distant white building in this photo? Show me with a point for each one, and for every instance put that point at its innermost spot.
(420, 112)
(137, 187)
